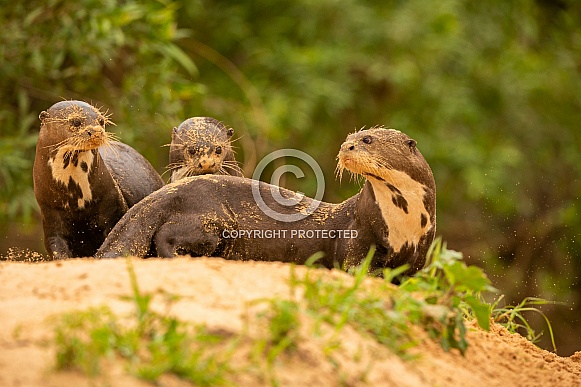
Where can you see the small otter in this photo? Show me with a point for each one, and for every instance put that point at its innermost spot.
(81, 188)
(199, 146)
(218, 216)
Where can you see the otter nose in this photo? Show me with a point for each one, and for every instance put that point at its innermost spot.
(347, 146)
(206, 162)
(94, 133)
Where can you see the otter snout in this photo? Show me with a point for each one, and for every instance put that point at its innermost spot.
(347, 151)
(354, 155)
(347, 146)
(95, 135)
(90, 131)
(207, 163)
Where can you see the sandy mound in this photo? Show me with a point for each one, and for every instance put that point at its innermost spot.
(215, 292)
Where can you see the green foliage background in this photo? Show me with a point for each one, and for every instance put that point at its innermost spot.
(491, 90)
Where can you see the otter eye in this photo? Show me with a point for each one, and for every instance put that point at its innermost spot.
(411, 143)
(102, 121)
(367, 139)
(218, 150)
(76, 122)
(191, 151)
(230, 132)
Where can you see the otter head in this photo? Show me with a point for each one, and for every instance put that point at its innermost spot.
(71, 132)
(380, 153)
(200, 145)
(402, 182)
(74, 126)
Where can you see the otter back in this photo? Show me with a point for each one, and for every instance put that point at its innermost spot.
(134, 175)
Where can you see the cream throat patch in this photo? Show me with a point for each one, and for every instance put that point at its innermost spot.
(401, 201)
(73, 166)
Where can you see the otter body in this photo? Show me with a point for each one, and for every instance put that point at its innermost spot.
(201, 145)
(131, 171)
(219, 215)
(80, 198)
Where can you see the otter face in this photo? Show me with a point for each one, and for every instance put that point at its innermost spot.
(74, 126)
(402, 182)
(200, 145)
(379, 152)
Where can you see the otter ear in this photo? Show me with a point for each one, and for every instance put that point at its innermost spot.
(230, 132)
(411, 143)
(43, 116)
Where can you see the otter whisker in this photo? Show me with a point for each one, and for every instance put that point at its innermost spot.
(179, 174)
(58, 144)
(232, 168)
(354, 177)
(233, 140)
(108, 146)
(191, 171)
(380, 159)
(176, 145)
(339, 171)
(164, 172)
(110, 136)
(175, 165)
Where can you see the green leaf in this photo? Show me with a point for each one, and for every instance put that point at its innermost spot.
(466, 277)
(481, 310)
(173, 51)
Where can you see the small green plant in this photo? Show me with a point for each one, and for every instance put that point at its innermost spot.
(279, 325)
(154, 344)
(471, 283)
(437, 298)
(513, 319)
(338, 303)
(283, 326)
(447, 291)
(84, 338)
